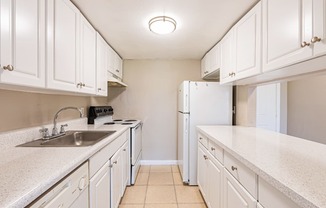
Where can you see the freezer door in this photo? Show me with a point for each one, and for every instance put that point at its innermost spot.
(183, 146)
(183, 97)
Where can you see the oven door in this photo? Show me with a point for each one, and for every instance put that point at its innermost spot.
(136, 143)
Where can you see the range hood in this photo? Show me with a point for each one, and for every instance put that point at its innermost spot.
(115, 81)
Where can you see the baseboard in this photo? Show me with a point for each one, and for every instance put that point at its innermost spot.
(158, 162)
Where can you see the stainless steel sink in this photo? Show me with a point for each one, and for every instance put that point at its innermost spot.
(71, 139)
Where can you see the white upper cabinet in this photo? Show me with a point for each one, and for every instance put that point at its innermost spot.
(63, 24)
(211, 63)
(319, 27)
(247, 34)
(287, 32)
(227, 72)
(101, 65)
(87, 71)
(115, 63)
(22, 42)
(241, 48)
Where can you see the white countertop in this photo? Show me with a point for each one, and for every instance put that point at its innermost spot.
(27, 172)
(295, 166)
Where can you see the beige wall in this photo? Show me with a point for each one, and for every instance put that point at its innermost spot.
(151, 96)
(307, 108)
(24, 109)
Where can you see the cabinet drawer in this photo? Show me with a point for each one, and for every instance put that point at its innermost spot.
(216, 151)
(203, 140)
(270, 197)
(243, 174)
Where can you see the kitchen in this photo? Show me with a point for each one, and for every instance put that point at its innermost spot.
(157, 107)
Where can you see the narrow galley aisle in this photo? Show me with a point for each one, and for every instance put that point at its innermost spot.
(161, 187)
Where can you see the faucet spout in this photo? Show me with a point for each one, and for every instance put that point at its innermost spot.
(55, 130)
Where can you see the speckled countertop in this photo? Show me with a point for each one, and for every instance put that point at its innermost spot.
(27, 172)
(295, 166)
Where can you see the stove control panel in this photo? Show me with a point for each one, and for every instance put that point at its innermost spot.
(98, 111)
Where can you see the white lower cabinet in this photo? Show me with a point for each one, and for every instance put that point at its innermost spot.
(218, 187)
(125, 165)
(209, 178)
(235, 195)
(106, 169)
(100, 188)
(116, 179)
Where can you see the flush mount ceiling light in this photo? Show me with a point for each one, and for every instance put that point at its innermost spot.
(162, 25)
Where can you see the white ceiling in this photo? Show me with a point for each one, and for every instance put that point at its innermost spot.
(200, 24)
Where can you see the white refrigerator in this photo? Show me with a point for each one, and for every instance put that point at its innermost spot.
(199, 103)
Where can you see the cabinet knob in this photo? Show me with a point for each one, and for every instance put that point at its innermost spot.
(79, 85)
(205, 157)
(8, 67)
(315, 39)
(233, 168)
(99, 89)
(117, 70)
(205, 72)
(124, 150)
(115, 162)
(304, 44)
(212, 148)
(83, 84)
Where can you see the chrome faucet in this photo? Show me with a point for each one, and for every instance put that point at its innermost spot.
(62, 132)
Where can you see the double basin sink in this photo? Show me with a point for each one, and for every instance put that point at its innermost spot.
(71, 139)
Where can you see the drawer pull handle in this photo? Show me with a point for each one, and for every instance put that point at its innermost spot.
(205, 157)
(115, 162)
(304, 44)
(8, 67)
(200, 138)
(315, 39)
(212, 148)
(234, 168)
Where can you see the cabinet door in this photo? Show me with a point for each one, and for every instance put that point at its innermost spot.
(214, 184)
(286, 25)
(202, 171)
(125, 166)
(247, 34)
(23, 42)
(100, 188)
(87, 76)
(62, 45)
(227, 58)
(215, 63)
(117, 64)
(203, 66)
(319, 13)
(101, 65)
(235, 195)
(116, 179)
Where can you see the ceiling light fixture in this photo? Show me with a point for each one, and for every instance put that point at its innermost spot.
(162, 25)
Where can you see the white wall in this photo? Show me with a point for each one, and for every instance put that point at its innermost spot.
(307, 108)
(151, 96)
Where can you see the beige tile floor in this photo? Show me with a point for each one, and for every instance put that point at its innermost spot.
(161, 187)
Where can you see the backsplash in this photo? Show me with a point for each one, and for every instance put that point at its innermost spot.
(24, 109)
